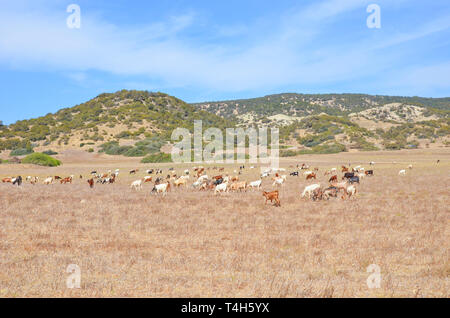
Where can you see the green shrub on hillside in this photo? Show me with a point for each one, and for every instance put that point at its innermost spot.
(363, 145)
(329, 148)
(50, 152)
(314, 140)
(20, 152)
(333, 147)
(41, 160)
(157, 158)
(113, 148)
(140, 149)
(135, 152)
(288, 153)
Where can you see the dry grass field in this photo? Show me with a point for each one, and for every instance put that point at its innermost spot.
(194, 244)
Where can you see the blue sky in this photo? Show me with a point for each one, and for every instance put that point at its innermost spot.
(212, 50)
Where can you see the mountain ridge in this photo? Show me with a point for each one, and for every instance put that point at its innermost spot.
(134, 123)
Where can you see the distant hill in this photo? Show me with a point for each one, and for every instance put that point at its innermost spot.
(113, 119)
(138, 123)
(332, 122)
(292, 104)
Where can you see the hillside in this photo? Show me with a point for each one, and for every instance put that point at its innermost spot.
(300, 105)
(110, 122)
(138, 123)
(320, 123)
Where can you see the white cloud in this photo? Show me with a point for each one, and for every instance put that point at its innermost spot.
(39, 39)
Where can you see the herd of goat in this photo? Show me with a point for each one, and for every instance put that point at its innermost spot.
(344, 187)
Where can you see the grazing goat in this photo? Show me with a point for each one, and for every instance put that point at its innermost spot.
(34, 180)
(255, 184)
(354, 179)
(330, 192)
(137, 185)
(272, 196)
(48, 180)
(311, 176)
(91, 183)
(317, 194)
(66, 180)
(350, 191)
(200, 172)
(348, 175)
(223, 187)
(402, 173)
(202, 178)
(277, 181)
(309, 189)
(197, 184)
(238, 186)
(147, 179)
(17, 181)
(161, 188)
(264, 175)
(179, 182)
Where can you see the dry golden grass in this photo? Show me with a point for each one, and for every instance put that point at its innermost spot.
(195, 244)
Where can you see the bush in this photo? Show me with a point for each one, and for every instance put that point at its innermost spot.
(140, 149)
(50, 152)
(288, 153)
(113, 148)
(135, 152)
(314, 140)
(396, 145)
(41, 160)
(21, 152)
(364, 145)
(157, 158)
(329, 148)
(90, 150)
